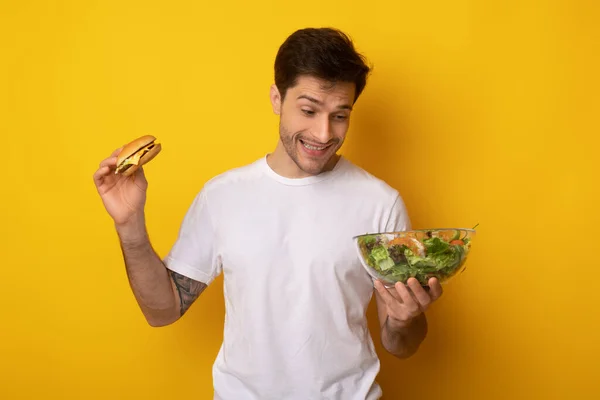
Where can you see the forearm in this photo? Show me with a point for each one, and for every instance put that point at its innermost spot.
(148, 277)
(403, 342)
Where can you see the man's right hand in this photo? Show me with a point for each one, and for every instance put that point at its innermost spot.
(124, 197)
(163, 296)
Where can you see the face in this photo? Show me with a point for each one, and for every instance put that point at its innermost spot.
(314, 119)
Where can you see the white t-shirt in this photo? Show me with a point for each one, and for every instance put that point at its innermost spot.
(296, 294)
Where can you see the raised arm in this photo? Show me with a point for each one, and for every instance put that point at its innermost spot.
(162, 295)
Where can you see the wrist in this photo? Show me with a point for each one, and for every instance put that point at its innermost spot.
(396, 326)
(132, 231)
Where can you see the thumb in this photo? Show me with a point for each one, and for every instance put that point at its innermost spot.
(140, 176)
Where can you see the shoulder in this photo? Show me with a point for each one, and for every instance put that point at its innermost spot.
(235, 176)
(366, 182)
(241, 174)
(375, 194)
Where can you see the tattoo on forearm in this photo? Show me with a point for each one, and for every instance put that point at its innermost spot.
(188, 290)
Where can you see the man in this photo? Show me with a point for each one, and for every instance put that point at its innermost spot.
(280, 230)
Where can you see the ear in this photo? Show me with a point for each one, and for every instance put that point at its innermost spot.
(275, 99)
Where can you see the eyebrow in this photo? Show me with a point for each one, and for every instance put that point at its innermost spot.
(313, 100)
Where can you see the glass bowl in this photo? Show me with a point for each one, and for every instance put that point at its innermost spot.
(425, 253)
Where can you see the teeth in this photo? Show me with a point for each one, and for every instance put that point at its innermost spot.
(308, 146)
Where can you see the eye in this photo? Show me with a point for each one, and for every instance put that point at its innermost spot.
(308, 112)
(341, 117)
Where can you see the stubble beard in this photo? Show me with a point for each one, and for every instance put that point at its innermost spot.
(288, 139)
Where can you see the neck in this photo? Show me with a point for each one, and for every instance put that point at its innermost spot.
(283, 165)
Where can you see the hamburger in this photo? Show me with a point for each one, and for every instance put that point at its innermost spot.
(137, 153)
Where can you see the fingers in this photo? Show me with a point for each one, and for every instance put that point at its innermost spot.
(109, 162)
(412, 295)
(100, 174)
(139, 179)
(384, 293)
(420, 294)
(408, 300)
(140, 173)
(435, 289)
(400, 310)
(105, 167)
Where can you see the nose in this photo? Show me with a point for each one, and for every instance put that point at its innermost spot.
(322, 131)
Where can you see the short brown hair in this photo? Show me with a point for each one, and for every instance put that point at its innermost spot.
(324, 53)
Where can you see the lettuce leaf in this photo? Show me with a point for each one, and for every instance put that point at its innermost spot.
(379, 253)
(381, 258)
(435, 246)
(435, 261)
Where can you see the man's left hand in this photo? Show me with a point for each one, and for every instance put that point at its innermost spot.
(406, 302)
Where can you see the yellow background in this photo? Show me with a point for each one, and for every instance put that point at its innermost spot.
(477, 111)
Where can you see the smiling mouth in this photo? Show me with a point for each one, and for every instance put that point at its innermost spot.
(314, 147)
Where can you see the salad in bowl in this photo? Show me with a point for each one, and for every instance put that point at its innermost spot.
(397, 256)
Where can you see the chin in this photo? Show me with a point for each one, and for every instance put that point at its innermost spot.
(311, 168)
(312, 165)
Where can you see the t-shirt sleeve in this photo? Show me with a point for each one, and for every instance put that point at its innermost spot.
(194, 253)
(398, 219)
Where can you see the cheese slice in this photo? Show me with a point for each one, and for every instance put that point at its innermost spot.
(133, 159)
